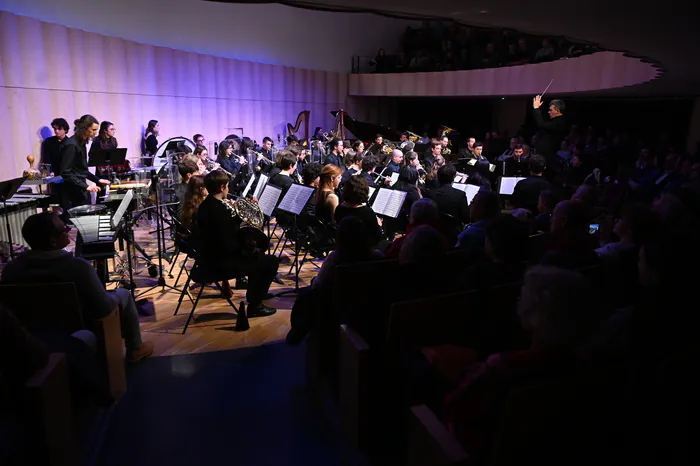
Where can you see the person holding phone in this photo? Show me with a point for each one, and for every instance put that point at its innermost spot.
(74, 165)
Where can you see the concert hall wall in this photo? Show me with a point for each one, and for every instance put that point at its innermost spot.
(49, 71)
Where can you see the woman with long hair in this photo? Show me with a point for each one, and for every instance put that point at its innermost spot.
(431, 181)
(74, 167)
(203, 161)
(150, 142)
(194, 195)
(326, 198)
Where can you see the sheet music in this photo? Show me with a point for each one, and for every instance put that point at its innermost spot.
(469, 190)
(262, 182)
(388, 202)
(88, 227)
(394, 178)
(247, 186)
(508, 185)
(371, 192)
(268, 199)
(123, 205)
(296, 198)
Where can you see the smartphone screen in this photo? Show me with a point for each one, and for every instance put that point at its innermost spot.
(593, 228)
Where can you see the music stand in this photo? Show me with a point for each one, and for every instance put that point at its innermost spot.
(7, 190)
(294, 202)
(108, 158)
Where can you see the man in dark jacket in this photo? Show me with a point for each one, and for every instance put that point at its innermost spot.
(551, 131)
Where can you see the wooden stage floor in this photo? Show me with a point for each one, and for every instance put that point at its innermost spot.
(213, 326)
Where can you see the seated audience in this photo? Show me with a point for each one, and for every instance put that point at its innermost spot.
(423, 212)
(223, 255)
(555, 307)
(47, 261)
(527, 192)
(573, 245)
(545, 205)
(353, 245)
(355, 197)
(450, 201)
(485, 206)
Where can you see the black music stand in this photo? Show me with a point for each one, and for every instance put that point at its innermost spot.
(294, 202)
(108, 158)
(7, 190)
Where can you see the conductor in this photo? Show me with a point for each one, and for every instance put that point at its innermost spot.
(552, 130)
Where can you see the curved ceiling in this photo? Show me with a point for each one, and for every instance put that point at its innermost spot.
(666, 32)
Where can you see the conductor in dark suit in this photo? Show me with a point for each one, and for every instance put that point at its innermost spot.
(551, 130)
(449, 200)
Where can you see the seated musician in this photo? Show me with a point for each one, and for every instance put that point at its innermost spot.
(74, 167)
(408, 182)
(369, 165)
(449, 200)
(187, 170)
(353, 169)
(287, 165)
(516, 164)
(432, 154)
(222, 252)
(105, 140)
(204, 163)
(47, 262)
(394, 166)
(326, 198)
(431, 177)
(336, 157)
(194, 196)
(355, 196)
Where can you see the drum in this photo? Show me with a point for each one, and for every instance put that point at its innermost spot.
(86, 210)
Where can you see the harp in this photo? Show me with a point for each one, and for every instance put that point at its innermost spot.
(303, 117)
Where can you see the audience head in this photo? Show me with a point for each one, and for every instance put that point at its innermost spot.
(352, 237)
(424, 212)
(587, 194)
(485, 205)
(45, 232)
(216, 182)
(557, 307)
(424, 245)
(446, 174)
(187, 169)
(311, 173)
(547, 200)
(506, 239)
(356, 190)
(538, 165)
(369, 163)
(86, 128)
(636, 224)
(669, 208)
(571, 218)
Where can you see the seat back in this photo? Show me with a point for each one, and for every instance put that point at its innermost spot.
(44, 306)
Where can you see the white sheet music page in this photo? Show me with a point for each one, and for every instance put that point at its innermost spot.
(123, 205)
(248, 185)
(371, 192)
(508, 184)
(268, 199)
(262, 182)
(393, 207)
(296, 198)
(469, 190)
(87, 227)
(394, 178)
(380, 202)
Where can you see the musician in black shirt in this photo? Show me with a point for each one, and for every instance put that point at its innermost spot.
(51, 147)
(150, 142)
(74, 167)
(222, 251)
(287, 165)
(551, 131)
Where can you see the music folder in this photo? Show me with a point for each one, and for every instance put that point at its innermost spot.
(262, 182)
(470, 190)
(507, 185)
(388, 202)
(248, 186)
(103, 157)
(296, 199)
(268, 199)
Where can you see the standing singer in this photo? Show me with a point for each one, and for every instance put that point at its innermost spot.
(74, 166)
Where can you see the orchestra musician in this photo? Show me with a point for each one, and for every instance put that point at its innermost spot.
(355, 197)
(394, 166)
(369, 165)
(222, 252)
(287, 166)
(336, 155)
(326, 198)
(105, 140)
(227, 160)
(199, 140)
(187, 170)
(204, 163)
(266, 151)
(150, 142)
(516, 164)
(354, 168)
(51, 147)
(74, 167)
(432, 153)
(377, 146)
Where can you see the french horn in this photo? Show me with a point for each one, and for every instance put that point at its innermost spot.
(252, 218)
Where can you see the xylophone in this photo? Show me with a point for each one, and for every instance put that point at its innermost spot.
(19, 208)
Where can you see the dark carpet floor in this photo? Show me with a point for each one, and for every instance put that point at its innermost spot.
(246, 407)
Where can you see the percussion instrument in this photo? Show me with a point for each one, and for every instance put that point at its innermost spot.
(87, 210)
(19, 208)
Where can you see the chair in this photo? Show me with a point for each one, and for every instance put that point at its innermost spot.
(56, 306)
(429, 442)
(203, 277)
